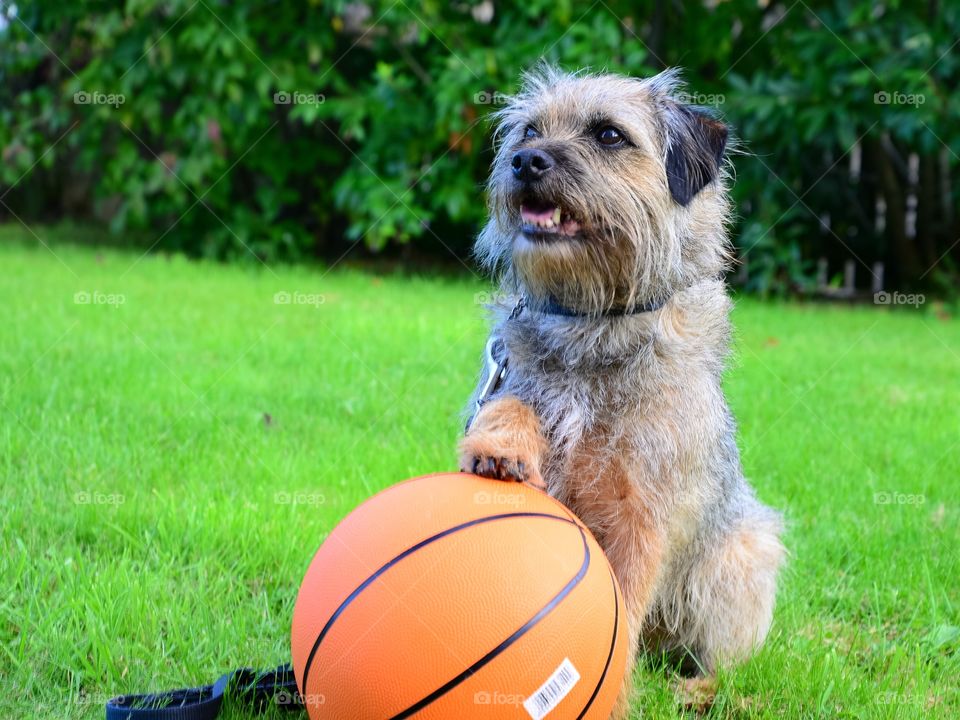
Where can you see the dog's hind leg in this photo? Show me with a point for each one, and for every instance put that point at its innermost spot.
(726, 601)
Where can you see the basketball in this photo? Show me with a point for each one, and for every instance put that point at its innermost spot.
(453, 596)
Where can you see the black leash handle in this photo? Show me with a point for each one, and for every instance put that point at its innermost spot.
(253, 688)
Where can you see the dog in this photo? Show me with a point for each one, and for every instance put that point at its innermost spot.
(608, 214)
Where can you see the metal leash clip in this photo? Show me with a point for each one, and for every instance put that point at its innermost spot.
(496, 370)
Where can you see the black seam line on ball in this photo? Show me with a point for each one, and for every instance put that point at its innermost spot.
(542, 613)
(409, 551)
(613, 644)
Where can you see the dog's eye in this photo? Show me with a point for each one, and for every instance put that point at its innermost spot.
(530, 132)
(609, 136)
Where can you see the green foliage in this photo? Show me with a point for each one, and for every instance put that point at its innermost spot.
(385, 139)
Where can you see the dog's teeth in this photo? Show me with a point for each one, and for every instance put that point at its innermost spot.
(556, 216)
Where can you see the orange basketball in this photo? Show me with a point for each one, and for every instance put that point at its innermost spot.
(452, 596)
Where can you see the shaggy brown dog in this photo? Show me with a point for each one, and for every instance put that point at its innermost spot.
(608, 212)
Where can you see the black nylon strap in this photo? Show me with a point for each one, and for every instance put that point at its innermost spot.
(251, 688)
(552, 307)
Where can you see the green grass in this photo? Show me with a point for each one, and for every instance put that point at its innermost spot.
(146, 544)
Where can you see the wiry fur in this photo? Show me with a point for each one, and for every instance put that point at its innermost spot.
(632, 429)
(644, 247)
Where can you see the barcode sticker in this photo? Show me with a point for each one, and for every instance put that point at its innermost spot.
(555, 689)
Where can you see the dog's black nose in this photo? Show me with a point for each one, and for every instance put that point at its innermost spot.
(530, 165)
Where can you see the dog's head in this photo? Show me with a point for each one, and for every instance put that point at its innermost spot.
(606, 190)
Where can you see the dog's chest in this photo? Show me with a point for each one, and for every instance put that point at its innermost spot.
(581, 402)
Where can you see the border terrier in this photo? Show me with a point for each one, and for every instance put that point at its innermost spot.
(608, 218)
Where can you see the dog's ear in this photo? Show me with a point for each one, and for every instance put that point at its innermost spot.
(695, 145)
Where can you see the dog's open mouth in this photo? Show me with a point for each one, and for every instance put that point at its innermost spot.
(543, 219)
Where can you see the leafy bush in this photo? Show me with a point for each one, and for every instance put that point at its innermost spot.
(285, 129)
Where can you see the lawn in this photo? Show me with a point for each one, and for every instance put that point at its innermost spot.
(176, 441)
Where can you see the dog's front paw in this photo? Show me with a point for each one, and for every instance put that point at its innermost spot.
(504, 443)
(496, 468)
